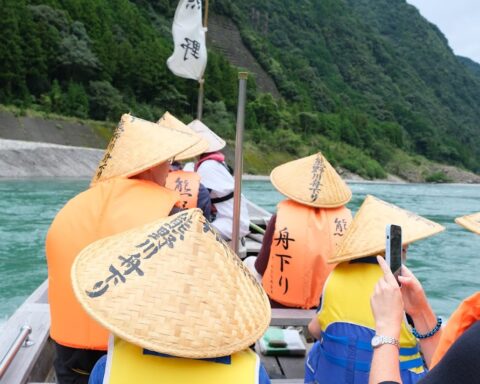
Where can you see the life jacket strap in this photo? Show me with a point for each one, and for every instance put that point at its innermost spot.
(364, 366)
(366, 346)
(216, 200)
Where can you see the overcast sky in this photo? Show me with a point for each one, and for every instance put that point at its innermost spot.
(459, 20)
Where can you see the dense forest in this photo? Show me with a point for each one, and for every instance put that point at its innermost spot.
(368, 82)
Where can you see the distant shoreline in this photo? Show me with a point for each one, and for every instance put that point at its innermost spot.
(27, 159)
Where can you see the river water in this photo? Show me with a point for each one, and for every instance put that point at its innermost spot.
(448, 264)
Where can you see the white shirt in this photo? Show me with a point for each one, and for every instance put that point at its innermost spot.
(216, 177)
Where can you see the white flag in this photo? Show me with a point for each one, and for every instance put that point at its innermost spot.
(189, 57)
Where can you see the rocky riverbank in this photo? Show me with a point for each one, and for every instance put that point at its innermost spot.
(31, 159)
(26, 159)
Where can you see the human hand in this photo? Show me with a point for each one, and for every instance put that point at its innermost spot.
(387, 303)
(414, 298)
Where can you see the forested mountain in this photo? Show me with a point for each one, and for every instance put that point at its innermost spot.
(365, 81)
(473, 66)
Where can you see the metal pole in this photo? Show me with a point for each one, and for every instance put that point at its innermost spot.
(201, 82)
(200, 100)
(22, 338)
(242, 95)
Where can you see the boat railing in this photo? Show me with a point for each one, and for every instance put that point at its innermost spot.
(24, 365)
(22, 339)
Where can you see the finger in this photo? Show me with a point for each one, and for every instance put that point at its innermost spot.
(387, 274)
(405, 280)
(406, 271)
(382, 284)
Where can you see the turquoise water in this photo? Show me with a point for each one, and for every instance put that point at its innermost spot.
(448, 265)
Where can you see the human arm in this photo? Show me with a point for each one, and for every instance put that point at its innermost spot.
(387, 308)
(314, 328)
(419, 309)
(264, 254)
(204, 202)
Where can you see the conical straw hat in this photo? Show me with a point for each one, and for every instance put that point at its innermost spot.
(170, 121)
(366, 234)
(138, 145)
(215, 142)
(172, 286)
(470, 222)
(311, 181)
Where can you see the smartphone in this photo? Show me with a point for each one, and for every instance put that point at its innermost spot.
(393, 249)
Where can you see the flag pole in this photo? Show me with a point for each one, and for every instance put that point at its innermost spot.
(201, 82)
(242, 95)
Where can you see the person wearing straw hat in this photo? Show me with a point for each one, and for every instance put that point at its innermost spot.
(126, 191)
(216, 176)
(345, 325)
(304, 232)
(170, 321)
(188, 184)
(455, 347)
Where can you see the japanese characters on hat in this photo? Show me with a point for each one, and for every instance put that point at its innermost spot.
(366, 234)
(172, 286)
(138, 145)
(470, 222)
(170, 121)
(311, 181)
(215, 142)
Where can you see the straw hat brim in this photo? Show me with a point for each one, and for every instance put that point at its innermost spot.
(138, 145)
(311, 181)
(365, 235)
(470, 222)
(194, 298)
(215, 142)
(170, 121)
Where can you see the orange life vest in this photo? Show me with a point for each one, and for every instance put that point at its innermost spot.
(187, 185)
(304, 238)
(464, 316)
(103, 210)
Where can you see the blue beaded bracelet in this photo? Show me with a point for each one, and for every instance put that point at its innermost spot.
(430, 333)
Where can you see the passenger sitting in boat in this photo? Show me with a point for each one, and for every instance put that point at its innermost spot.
(344, 324)
(304, 233)
(216, 176)
(455, 348)
(126, 192)
(173, 323)
(192, 192)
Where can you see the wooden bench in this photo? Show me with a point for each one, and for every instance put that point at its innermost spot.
(287, 369)
(284, 317)
(284, 369)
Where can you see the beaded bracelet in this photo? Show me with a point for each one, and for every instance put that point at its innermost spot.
(430, 333)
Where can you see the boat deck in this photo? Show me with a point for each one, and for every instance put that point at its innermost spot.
(34, 364)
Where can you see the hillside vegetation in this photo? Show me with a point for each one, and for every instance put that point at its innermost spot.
(368, 82)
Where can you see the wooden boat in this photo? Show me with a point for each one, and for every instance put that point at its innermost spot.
(27, 352)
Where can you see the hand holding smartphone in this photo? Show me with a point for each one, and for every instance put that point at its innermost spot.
(393, 249)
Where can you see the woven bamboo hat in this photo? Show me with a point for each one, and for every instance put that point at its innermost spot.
(138, 145)
(172, 286)
(366, 234)
(311, 181)
(470, 222)
(170, 121)
(215, 142)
